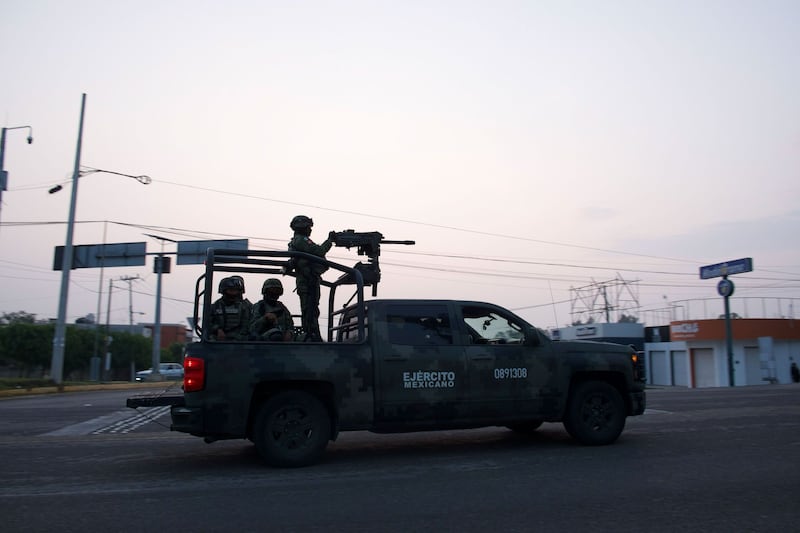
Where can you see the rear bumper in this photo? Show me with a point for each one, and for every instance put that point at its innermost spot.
(187, 419)
(637, 401)
(154, 401)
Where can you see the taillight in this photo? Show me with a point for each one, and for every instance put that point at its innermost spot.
(194, 375)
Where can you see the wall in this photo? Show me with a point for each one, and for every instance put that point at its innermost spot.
(685, 361)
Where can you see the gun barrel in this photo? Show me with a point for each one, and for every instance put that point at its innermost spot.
(399, 242)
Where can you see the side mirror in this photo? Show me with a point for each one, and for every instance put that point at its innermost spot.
(532, 337)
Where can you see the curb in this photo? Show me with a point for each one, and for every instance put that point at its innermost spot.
(11, 393)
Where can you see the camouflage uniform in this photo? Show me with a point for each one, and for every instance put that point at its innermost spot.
(307, 278)
(263, 327)
(233, 318)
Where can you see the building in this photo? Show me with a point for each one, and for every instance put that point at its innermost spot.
(695, 353)
(170, 333)
(620, 332)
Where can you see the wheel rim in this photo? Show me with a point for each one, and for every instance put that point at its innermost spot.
(291, 428)
(597, 412)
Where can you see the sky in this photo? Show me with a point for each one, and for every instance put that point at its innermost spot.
(536, 151)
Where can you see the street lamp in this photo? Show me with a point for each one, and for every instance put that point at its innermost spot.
(59, 338)
(3, 173)
(144, 180)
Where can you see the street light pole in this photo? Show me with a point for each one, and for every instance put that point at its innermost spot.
(161, 266)
(59, 339)
(3, 173)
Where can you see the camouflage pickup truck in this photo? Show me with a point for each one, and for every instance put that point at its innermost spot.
(394, 365)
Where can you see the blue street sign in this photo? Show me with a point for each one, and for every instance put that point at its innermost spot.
(727, 268)
(103, 255)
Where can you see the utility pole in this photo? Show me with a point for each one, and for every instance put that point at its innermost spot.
(3, 173)
(108, 320)
(130, 279)
(60, 337)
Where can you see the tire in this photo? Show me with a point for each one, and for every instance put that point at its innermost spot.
(595, 414)
(525, 428)
(292, 429)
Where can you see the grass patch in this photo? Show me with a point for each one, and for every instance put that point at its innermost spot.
(25, 383)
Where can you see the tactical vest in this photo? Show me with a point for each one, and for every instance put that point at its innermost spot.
(229, 316)
(301, 266)
(280, 311)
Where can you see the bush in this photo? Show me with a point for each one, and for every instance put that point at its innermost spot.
(25, 383)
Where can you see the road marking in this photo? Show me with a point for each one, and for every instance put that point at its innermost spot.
(143, 417)
(117, 422)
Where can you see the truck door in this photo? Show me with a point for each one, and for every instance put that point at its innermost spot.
(420, 368)
(506, 376)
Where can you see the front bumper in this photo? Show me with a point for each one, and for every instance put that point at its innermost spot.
(637, 402)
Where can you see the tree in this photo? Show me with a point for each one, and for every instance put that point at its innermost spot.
(629, 319)
(126, 347)
(27, 347)
(173, 353)
(18, 317)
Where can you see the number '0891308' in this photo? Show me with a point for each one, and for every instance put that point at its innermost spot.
(511, 373)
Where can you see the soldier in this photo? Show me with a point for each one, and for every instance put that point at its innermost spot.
(241, 280)
(308, 273)
(271, 321)
(230, 314)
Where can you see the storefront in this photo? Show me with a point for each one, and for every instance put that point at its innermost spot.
(697, 355)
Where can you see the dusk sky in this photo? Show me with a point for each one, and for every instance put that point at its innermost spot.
(529, 147)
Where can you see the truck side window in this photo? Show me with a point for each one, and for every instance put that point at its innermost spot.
(485, 326)
(415, 327)
(348, 329)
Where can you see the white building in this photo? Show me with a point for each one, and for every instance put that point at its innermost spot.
(619, 332)
(697, 354)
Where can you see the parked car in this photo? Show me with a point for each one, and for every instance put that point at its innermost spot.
(167, 370)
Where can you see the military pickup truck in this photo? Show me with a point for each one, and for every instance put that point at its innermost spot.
(393, 365)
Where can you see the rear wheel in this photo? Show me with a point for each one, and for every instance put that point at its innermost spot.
(595, 413)
(292, 429)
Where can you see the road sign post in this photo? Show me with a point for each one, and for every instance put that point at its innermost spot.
(725, 289)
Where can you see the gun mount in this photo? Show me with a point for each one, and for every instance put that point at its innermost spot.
(367, 243)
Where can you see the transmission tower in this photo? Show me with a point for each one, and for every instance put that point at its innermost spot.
(604, 301)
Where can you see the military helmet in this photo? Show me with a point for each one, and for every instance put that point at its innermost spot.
(241, 281)
(270, 284)
(301, 222)
(233, 282)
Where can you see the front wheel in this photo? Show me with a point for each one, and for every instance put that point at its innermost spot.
(595, 413)
(292, 429)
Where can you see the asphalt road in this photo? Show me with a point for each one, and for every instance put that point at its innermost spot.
(723, 460)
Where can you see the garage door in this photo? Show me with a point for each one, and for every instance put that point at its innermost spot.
(659, 368)
(703, 367)
(680, 368)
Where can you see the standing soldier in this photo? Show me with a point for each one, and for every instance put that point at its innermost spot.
(308, 273)
(230, 314)
(272, 320)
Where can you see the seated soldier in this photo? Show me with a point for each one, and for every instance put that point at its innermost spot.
(230, 314)
(271, 319)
